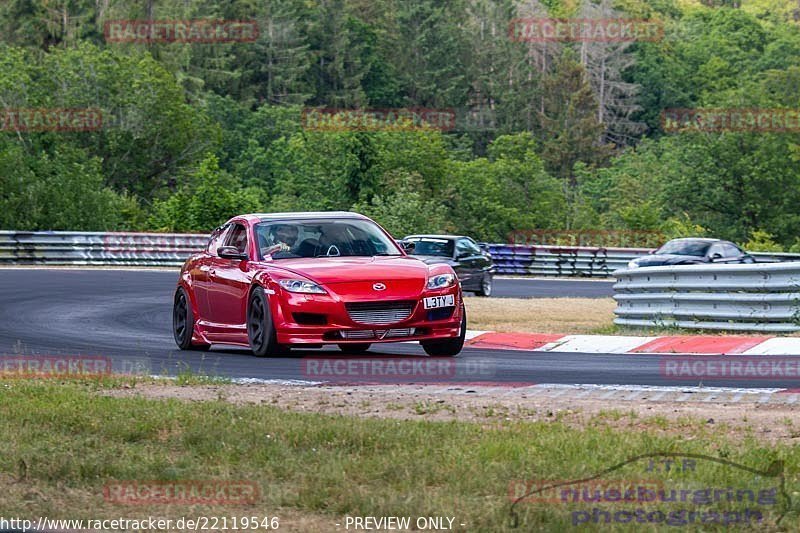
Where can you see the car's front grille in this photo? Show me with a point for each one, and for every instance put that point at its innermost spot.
(380, 313)
(350, 334)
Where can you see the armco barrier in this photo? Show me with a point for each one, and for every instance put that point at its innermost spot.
(526, 260)
(171, 249)
(88, 248)
(755, 297)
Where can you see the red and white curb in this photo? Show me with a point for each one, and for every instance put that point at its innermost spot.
(621, 344)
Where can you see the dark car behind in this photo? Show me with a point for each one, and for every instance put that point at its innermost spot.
(693, 251)
(473, 265)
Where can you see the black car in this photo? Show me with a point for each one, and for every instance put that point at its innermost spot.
(472, 264)
(693, 251)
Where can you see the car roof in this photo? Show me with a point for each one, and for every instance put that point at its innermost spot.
(698, 239)
(432, 236)
(307, 215)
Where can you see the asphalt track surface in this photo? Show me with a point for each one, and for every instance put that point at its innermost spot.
(551, 288)
(126, 316)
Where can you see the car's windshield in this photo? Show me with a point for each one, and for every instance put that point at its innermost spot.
(322, 238)
(431, 246)
(695, 248)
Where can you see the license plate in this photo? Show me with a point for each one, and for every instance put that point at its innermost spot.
(435, 302)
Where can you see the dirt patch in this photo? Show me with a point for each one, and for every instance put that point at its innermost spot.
(770, 423)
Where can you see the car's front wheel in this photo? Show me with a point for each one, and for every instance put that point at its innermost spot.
(260, 328)
(486, 286)
(449, 347)
(183, 322)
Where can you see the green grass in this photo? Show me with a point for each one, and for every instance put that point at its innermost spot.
(73, 441)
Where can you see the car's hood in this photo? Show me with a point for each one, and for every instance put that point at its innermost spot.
(356, 277)
(667, 259)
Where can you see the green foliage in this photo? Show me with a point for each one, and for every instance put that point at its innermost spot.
(761, 241)
(505, 192)
(61, 190)
(206, 199)
(408, 208)
(194, 133)
(681, 226)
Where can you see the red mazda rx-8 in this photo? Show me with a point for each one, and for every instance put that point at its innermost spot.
(276, 281)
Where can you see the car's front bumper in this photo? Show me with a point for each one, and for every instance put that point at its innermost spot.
(339, 328)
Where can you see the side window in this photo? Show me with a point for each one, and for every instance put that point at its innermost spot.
(473, 246)
(217, 238)
(716, 249)
(463, 248)
(237, 238)
(731, 251)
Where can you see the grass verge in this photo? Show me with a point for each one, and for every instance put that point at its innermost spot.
(63, 442)
(541, 315)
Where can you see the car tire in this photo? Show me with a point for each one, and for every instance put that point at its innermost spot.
(183, 322)
(260, 328)
(486, 286)
(360, 347)
(450, 347)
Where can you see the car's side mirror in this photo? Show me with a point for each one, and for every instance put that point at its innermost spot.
(716, 256)
(230, 252)
(408, 246)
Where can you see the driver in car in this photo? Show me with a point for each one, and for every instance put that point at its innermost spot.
(284, 236)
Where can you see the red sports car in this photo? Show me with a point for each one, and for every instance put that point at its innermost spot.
(275, 281)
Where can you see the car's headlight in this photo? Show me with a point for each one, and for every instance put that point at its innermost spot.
(441, 281)
(299, 285)
(633, 264)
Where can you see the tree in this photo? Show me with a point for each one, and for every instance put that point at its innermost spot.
(607, 64)
(206, 198)
(405, 208)
(570, 130)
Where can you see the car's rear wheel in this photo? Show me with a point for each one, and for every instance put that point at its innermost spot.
(183, 322)
(360, 347)
(486, 286)
(449, 347)
(260, 327)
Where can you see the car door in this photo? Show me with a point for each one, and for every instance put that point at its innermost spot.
(727, 253)
(732, 253)
(200, 273)
(466, 266)
(715, 253)
(483, 261)
(230, 282)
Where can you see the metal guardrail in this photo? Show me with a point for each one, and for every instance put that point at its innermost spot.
(560, 260)
(539, 260)
(171, 249)
(94, 248)
(754, 297)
